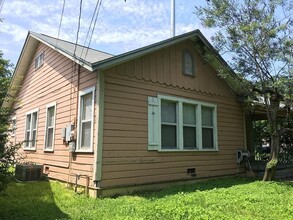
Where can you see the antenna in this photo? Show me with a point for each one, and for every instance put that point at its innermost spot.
(172, 18)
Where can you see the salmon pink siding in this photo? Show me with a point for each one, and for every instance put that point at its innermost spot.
(126, 158)
(56, 81)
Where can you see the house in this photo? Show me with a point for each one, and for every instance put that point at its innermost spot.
(154, 116)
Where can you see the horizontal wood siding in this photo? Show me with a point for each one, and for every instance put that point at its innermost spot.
(126, 160)
(55, 81)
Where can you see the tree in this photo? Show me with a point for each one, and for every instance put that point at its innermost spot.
(7, 150)
(257, 34)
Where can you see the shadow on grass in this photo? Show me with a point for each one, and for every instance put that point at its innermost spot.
(203, 185)
(30, 200)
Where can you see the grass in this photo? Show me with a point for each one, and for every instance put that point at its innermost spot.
(228, 198)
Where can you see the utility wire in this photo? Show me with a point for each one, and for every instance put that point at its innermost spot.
(1, 4)
(60, 21)
(87, 35)
(93, 29)
(78, 27)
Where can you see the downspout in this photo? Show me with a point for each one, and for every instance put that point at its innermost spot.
(100, 93)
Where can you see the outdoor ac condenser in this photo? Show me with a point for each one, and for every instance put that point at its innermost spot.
(242, 154)
(28, 172)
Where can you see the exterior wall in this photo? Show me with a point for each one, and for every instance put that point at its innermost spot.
(55, 81)
(126, 159)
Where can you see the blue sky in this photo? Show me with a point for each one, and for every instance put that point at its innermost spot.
(121, 26)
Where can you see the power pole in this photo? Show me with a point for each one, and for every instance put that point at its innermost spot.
(172, 18)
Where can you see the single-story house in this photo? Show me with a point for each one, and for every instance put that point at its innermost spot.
(154, 116)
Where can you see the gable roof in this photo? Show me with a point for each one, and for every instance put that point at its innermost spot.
(93, 60)
(80, 54)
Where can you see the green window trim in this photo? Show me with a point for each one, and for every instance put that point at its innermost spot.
(155, 125)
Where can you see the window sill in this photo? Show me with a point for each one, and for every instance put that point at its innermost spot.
(83, 151)
(48, 150)
(29, 149)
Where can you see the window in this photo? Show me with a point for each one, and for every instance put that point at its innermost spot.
(181, 124)
(31, 130)
(13, 126)
(85, 120)
(187, 63)
(50, 127)
(39, 60)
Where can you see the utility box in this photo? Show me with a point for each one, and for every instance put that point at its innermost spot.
(29, 172)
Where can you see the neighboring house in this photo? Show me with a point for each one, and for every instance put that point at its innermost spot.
(155, 115)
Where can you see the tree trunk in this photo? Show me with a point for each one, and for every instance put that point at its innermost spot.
(271, 166)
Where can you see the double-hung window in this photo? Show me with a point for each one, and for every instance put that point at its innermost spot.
(39, 60)
(30, 142)
(85, 120)
(13, 126)
(50, 127)
(177, 124)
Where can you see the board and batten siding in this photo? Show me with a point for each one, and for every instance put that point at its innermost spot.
(55, 81)
(126, 159)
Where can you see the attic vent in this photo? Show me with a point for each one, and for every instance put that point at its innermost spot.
(187, 63)
(31, 172)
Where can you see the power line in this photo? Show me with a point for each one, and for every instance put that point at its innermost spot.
(93, 29)
(78, 27)
(1, 4)
(60, 22)
(87, 35)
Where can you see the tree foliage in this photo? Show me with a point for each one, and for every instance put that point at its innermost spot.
(257, 35)
(7, 150)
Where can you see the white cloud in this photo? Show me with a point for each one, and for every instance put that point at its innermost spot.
(121, 26)
(17, 33)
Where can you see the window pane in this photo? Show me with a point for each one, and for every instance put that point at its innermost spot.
(207, 116)
(168, 112)
(87, 106)
(28, 122)
(189, 137)
(207, 138)
(27, 139)
(169, 140)
(51, 113)
(86, 134)
(189, 114)
(34, 138)
(34, 120)
(49, 142)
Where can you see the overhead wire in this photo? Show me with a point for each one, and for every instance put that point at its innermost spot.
(93, 28)
(95, 16)
(87, 35)
(1, 4)
(78, 28)
(60, 22)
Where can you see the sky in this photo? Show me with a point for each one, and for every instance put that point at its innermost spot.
(121, 25)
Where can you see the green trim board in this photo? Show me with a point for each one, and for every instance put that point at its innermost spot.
(100, 93)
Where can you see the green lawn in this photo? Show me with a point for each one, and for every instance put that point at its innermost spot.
(229, 198)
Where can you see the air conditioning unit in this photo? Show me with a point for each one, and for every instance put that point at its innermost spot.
(28, 172)
(242, 154)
